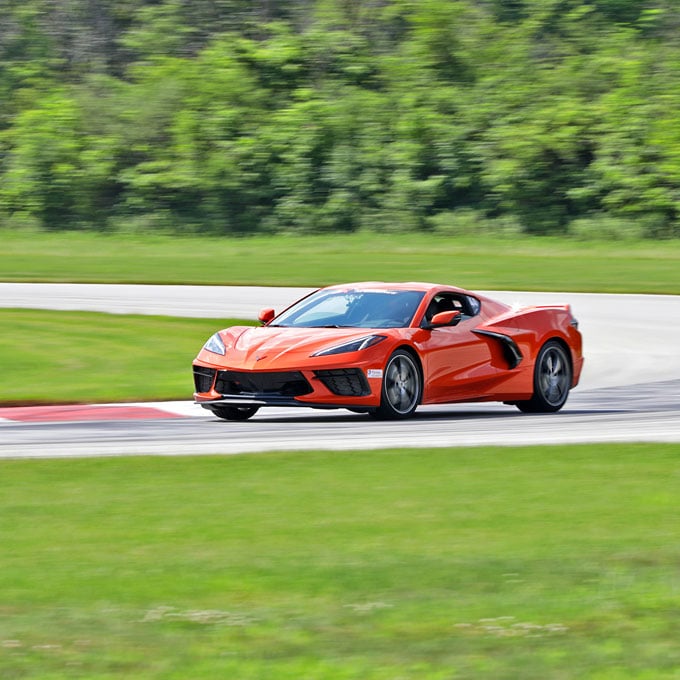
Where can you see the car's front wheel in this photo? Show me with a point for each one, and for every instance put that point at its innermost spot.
(235, 412)
(552, 380)
(402, 387)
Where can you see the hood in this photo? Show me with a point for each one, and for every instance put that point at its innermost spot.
(271, 348)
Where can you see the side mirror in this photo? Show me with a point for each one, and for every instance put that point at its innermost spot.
(443, 319)
(266, 315)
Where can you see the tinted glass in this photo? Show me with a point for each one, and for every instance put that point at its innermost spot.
(353, 309)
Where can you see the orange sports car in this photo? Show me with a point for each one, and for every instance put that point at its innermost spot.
(385, 348)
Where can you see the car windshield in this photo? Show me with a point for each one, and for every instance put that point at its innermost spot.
(353, 309)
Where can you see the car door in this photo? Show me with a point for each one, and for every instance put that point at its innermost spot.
(456, 361)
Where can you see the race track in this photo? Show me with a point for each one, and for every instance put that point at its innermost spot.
(630, 388)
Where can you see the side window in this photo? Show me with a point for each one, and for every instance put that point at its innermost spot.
(473, 304)
(445, 302)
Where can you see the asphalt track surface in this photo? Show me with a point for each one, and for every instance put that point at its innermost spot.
(630, 388)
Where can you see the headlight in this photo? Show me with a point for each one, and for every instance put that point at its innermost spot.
(352, 346)
(215, 345)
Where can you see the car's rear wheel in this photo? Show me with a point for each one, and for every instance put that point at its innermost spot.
(401, 388)
(235, 412)
(552, 380)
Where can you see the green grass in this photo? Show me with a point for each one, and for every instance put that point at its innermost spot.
(60, 357)
(513, 263)
(539, 562)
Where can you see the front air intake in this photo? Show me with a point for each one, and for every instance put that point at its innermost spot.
(279, 384)
(203, 378)
(345, 382)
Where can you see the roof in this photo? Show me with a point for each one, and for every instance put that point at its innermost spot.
(408, 285)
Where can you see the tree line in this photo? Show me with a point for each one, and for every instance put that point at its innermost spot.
(240, 117)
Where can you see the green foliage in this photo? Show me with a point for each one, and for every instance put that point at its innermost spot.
(236, 117)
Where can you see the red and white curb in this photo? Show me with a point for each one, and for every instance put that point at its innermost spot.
(98, 412)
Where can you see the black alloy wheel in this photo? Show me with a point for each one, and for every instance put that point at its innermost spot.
(552, 380)
(402, 387)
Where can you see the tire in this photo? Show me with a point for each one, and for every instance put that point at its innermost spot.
(402, 387)
(552, 380)
(235, 412)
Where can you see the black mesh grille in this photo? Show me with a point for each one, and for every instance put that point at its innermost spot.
(285, 384)
(345, 382)
(203, 378)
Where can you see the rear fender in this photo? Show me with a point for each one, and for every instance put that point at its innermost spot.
(526, 330)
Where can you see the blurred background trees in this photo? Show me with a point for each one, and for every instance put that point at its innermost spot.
(244, 116)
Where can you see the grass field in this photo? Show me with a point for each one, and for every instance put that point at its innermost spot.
(544, 562)
(508, 263)
(61, 357)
